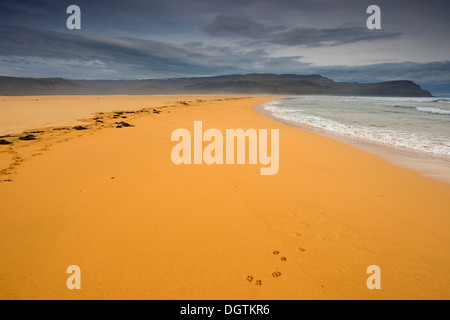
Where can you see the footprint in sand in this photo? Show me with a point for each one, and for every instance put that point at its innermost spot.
(257, 282)
(276, 274)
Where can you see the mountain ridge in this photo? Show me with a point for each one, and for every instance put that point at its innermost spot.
(253, 83)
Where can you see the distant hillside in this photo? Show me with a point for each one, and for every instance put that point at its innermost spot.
(10, 86)
(286, 84)
(313, 84)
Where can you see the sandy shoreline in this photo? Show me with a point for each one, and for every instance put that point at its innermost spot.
(111, 201)
(20, 113)
(428, 164)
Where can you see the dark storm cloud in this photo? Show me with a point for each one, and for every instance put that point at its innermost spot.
(281, 35)
(237, 26)
(141, 58)
(330, 37)
(181, 15)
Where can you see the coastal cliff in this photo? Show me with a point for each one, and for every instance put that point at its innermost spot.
(286, 84)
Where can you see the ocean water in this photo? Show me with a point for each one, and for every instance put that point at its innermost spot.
(421, 124)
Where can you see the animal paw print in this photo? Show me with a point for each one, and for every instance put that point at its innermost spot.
(276, 274)
(257, 282)
(276, 252)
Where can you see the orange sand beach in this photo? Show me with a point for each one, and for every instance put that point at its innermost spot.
(111, 201)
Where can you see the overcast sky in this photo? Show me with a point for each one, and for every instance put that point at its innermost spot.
(137, 39)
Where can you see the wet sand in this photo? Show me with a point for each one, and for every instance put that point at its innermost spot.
(429, 165)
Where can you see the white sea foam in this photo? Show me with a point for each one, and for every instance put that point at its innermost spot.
(434, 110)
(394, 121)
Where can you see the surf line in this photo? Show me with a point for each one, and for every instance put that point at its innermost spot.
(235, 140)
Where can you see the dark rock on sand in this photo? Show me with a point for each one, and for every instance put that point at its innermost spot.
(3, 141)
(28, 137)
(80, 128)
(123, 124)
